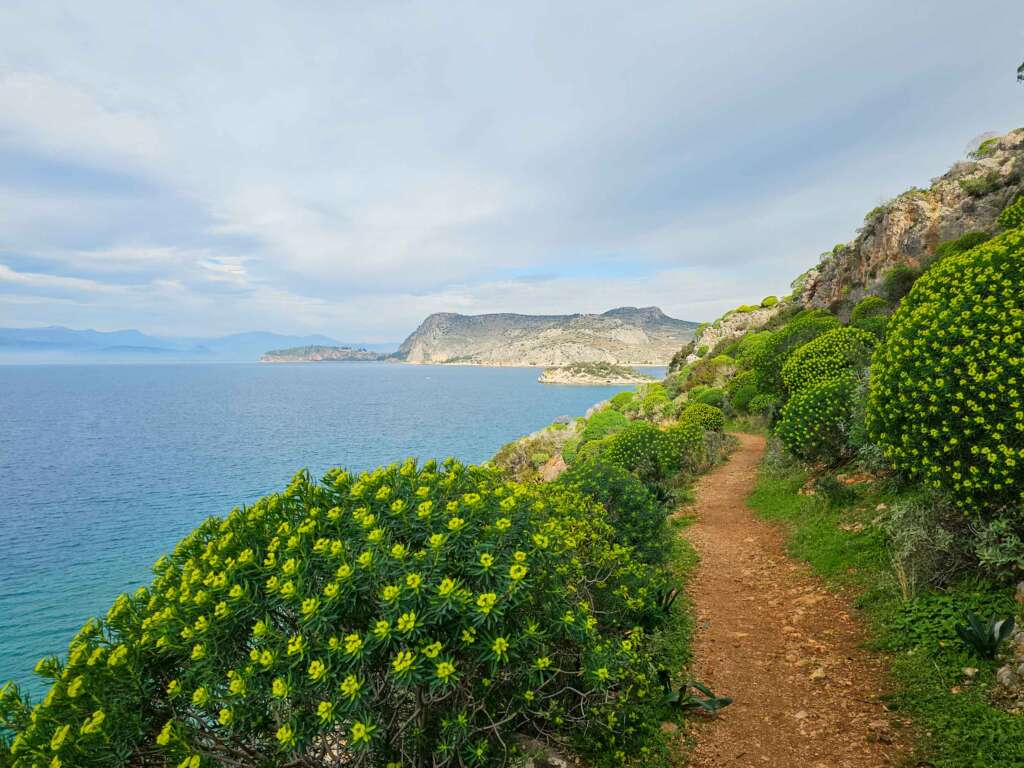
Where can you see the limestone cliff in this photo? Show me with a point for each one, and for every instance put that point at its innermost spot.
(906, 230)
(626, 336)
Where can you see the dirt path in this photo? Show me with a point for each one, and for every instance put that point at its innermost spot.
(772, 637)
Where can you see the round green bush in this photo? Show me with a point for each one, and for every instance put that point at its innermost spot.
(769, 301)
(1012, 216)
(945, 400)
(622, 399)
(633, 511)
(685, 447)
(601, 424)
(869, 306)
(832, 354)
(709, 396)
(705, 416)
(655, 399)
(408, 616)
(798, 331)
(814, 424)
(644, 449)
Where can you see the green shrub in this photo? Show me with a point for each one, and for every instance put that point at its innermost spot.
(644, 449)
(540, 458)
(747, 308)
(705, 416)
(897, 282)
(814, 423)
(408, 616)
(773, 355)
(868, 307)
(633, 511)
(602, 424)
(750, 344)
(960, 245)
(709, 396)
(702, 350)
(622, 400)
(1012, 216)
(655, 399)
(979, 186)
(769, 301)
(945, 399)
(833, 354)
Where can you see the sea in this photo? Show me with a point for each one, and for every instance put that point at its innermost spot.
(103, 468)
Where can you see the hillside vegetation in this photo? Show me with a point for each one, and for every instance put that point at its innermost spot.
(897, 423)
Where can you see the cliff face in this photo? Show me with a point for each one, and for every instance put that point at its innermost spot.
(625, 335)
(906, 231)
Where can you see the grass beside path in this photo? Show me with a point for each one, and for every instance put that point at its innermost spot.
(956, 725)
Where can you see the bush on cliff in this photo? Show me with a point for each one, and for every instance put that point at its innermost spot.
(827, 357)
(770, 358)
(946, 386)
(407, 616)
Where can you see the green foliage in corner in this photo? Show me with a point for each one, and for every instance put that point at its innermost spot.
(946, 386)
(411, 615)
(1012, 216)
(705, 416)
(831, 355)
(814, 424)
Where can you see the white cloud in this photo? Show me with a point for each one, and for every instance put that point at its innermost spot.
(347, 169)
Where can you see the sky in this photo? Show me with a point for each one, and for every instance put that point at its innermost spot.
(197, 168)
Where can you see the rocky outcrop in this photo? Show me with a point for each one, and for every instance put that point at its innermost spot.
(907, 230)
(730, 326)
(625, 336)
(594, 374)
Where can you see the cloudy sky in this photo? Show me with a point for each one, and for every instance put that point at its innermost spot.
(347, 168)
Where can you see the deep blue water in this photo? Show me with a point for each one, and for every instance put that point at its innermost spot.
(104, 468)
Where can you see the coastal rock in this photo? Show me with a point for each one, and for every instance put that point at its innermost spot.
(594, 374)
(624, 336)
(906, 231)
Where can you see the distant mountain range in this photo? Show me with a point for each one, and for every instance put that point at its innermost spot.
(624, 336)
(59, 344)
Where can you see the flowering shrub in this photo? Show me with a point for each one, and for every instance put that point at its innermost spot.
(945, 401)
(870, 315)
(636, 516)
(764, 405)
(408, 616)
(741, 389)
(705, 416)
(829, 356)
(815, 422)
(776, 350)
(644, 449)
(1012, 216)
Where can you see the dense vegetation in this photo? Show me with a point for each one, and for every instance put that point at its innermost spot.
(413, 615)
(897, 457)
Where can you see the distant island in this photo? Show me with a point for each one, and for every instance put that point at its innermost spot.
(319, 353)
(622, 336)
(594, 374)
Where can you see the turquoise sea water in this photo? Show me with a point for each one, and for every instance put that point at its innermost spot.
(104, 468)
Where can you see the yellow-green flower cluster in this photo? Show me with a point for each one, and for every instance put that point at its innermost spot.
(814, 423)
(946, 400)
(331, 606)
(707, 417)
(831, 355)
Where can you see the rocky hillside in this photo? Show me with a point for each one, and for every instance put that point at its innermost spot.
(906, 230)
(903, 234)
(318, 354)
(625, 336)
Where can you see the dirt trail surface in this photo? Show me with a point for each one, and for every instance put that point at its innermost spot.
(775, 639)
